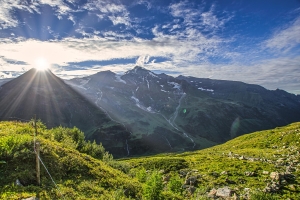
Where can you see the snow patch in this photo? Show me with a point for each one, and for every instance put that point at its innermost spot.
(163, 90)
(119, 79)
(175, 85)
(138, 104)
(208, 90)
(148, 83)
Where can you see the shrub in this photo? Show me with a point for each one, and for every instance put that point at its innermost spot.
(153, 187)
(175, 184)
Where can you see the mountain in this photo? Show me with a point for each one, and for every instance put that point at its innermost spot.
(167, 114)
(2, 81)
(43, 94)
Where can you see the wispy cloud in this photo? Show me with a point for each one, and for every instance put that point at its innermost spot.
(117, 13)
(286, 38)
(8, 8)
(7, 19)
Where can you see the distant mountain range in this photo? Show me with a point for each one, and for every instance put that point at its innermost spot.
(43, 94)
(141, 113)
(166, 114)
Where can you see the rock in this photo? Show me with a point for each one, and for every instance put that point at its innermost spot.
(249, 173)
(31, 198)
(247, 190)
(224, 173)
(265, 172)
(190, 181)
(212, 193)
(283, 182)
(290, 169)
(224, 192)
(18, 183)
(275, 176)
(242, 158)
(272, 187)
(162, 171)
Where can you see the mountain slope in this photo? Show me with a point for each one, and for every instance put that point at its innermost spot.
(260, 165)
(43, 94)
(167, 114)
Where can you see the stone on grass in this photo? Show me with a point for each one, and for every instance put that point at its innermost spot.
(224, 192)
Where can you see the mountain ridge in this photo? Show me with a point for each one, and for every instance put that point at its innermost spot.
(166, 113)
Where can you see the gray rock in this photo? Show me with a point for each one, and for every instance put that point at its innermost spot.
(224, 192)
(18, 183)
(275, 176)
(224, 173)
(242, 158)
(190, 181)
(272, 187)
(265, 172)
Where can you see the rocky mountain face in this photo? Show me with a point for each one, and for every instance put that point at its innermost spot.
(165, 114)
(43, 94)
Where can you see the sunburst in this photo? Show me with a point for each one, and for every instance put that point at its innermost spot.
(41, 64)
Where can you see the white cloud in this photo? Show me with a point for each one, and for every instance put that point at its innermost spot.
(117, 13)
(142, 60)
(285, 39)
(6, 11)
(61, 52)
(7, 8)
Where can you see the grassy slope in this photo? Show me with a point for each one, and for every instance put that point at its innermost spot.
(271, 150)
(80, 176)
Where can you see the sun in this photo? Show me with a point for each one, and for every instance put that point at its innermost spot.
(41, 64)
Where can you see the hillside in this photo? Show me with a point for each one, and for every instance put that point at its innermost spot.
(46, 96)
(260, 165)
(77, 175)
(177, 114)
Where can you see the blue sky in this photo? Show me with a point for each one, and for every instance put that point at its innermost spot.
(251, 41)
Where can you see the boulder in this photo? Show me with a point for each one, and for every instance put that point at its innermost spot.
(224, 192)
(275, 176)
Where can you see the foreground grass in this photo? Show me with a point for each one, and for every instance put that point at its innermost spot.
(83, 170)
(243, 164)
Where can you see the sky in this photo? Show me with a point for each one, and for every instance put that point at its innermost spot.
(255, 41)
